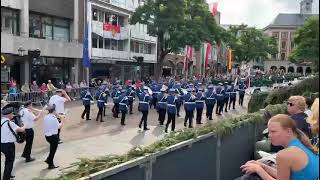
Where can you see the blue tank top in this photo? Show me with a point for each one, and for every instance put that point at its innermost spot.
(311, 170)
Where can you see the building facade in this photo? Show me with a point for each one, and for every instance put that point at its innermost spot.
(115, 44)
(282, 29)
(28, 26)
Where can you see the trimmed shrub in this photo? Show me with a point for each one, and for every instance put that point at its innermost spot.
(308, 88)
(257, 101)
(278, 96)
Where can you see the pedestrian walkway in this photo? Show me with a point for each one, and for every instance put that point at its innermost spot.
(90, 139)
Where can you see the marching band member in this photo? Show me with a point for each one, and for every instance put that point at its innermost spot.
(233, 96)
(242, 90)
(51, 132)
(131, 95)
(28, 119)
(144, 99)
(58, 100)
(101, 105)
(123, 106)
(162, 106)
(220, 98)
(8, 139)
(210, 101)
(189, 106)
(86, 101)
(171, 104)
(226, 96)
(200, 99)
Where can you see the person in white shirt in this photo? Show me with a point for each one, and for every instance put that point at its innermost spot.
(28, 119)
(58, 100)
(8, 139)
(51, 127)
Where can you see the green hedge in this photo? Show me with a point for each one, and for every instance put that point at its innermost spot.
(280, 95)
(221, 128)
(308, 88)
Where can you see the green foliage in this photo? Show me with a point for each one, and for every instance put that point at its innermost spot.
(177, 23)
(257, 101)
(307, 88)
(277, 109)
(307, 43)
(278, 96)
(249, 43)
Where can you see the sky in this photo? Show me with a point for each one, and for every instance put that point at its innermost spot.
(257, 13)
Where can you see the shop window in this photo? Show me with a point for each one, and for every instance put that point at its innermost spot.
(107, 17)
(107, 44)
(100, 39)
(120, 45)
(94, 42)
(48, 27)
(95, 14)
(136, 47)
(114, 45)
(10, 21)
(141, 48)
(132, 46)
(100, 16)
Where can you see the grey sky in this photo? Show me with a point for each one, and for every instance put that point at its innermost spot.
(258, 13)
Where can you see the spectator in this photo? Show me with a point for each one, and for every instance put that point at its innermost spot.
(34, 86)
(43, 87)
(314, 118)
(83, 84)
(314, 121)
(309, 103)
(50, 86)
(61, 85)
(12, 82)
(76, 85)
(68, 87)
(296, 108)
(299, 159)
(25, 88)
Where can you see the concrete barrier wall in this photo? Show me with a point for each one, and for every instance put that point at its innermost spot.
(205, 158)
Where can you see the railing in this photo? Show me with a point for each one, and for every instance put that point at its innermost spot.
(39, 97)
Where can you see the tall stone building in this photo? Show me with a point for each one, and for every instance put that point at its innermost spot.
(282, 29)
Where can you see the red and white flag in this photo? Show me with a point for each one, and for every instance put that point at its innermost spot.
(215, 8)
(186, 59)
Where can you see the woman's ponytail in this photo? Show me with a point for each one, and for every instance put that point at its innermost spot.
(306, 141)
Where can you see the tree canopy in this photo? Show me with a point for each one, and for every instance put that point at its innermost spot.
(307, 43)
(177, 23)
(248, 43)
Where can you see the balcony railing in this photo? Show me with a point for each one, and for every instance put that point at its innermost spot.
(110, 54)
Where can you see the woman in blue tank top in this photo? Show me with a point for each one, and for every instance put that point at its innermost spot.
(298, 161)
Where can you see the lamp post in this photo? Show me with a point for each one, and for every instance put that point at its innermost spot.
(21, 51)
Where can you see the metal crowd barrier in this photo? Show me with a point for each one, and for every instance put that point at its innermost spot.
(39, 97)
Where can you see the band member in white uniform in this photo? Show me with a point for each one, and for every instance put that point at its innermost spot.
(59, 99)
(51, 127)
(8, 139)
(28, 119)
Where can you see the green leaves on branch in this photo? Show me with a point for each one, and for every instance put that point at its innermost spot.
(186, 22)
(249, 43)
(307, 43)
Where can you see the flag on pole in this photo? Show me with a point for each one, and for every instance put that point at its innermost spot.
(208, 52)
(186, 59)
(86, 59)
(229, 59)
(203, 58)
(215, 8)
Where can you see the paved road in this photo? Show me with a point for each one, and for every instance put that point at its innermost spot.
(89, 139)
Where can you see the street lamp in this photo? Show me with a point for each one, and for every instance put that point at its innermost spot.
(21, 51)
